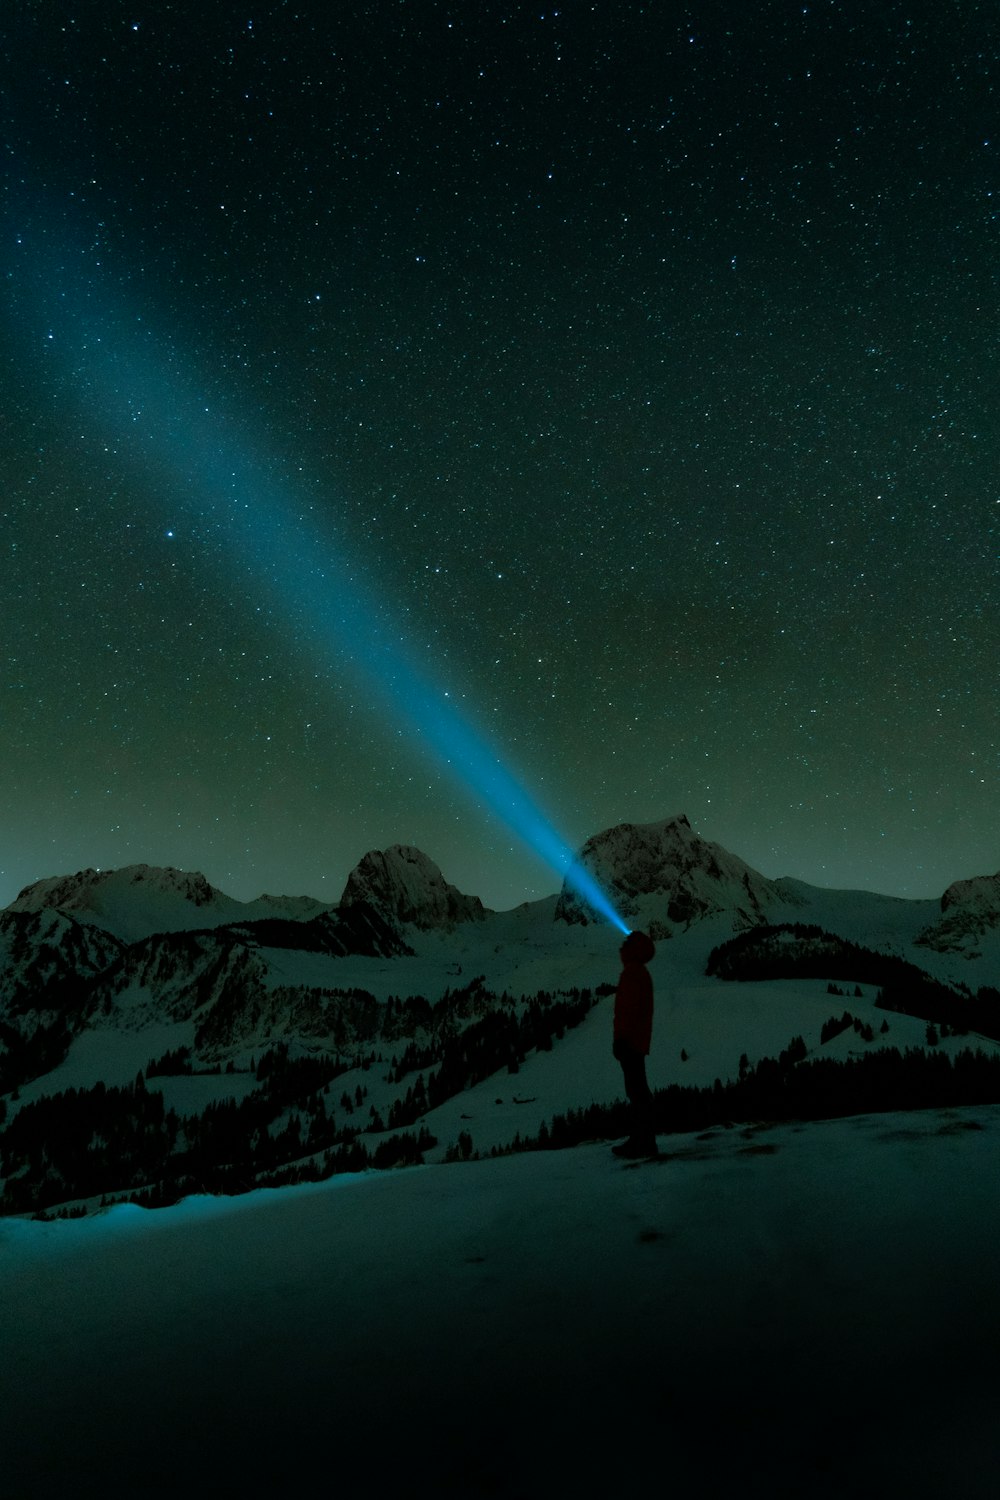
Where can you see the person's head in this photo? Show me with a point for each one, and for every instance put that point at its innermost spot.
(637, 949)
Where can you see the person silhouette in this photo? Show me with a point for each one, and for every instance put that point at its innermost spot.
(633, 1028)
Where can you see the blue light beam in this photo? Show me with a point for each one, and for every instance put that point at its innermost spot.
(219, 471)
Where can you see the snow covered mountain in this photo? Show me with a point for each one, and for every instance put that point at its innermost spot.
(125, 950)
(341, 1038)
(136, 901)
(233, 984)
(408, 888)
(663, 876)
(45, 953)
(64, 973)
(970, 918)
(432, 1011)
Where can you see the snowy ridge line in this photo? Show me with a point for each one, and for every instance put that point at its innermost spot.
(454, 1069)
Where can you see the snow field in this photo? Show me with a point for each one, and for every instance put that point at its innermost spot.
(808, 1310)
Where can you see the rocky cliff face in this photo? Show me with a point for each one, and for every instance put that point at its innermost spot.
(407, 888)
(970, 913)
(59, 976)
(47, 959)
(221, 977)
(48, 963)
(662, 876)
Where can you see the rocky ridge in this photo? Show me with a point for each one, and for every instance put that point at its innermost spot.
(970, 914)
(138, 900)
(139, 947)
(662, 876)
(408, 888)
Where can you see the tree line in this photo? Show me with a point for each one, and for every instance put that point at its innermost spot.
(792, 1088)
(797, 950)
(112, 1140)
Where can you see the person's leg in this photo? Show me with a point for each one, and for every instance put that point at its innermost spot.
(640, 1099)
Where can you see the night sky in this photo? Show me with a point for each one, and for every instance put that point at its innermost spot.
(633, 368)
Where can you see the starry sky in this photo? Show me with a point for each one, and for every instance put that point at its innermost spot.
(633, 366)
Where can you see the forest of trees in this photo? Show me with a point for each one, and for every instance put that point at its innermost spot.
(796, 950)
(123, 1142)
(793, 1087)
(501, 1038)
(28, 1055)
(82, 1142)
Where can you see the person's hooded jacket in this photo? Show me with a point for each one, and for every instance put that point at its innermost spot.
(633, 1022)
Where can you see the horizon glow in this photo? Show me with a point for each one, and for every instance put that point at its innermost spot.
(228, 483)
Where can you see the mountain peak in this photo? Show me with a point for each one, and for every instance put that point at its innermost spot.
(981, 893)
(131, 902)
(970, 910)
(664, 875)
(406, 886)
(76, 892)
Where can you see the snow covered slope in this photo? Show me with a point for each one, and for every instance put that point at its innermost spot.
(45, 955)
(139, 900)
(342, 982)
(664, 876)
(801, 1312)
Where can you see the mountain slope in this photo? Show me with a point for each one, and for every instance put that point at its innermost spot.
(664, 876)
(403, 1009)
(970, 918)
(726, 1323)
(46, 957)
(138, 900)
(407, 888)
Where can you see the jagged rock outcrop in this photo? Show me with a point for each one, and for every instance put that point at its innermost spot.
(221, 977)
(407, 888)
(47, 960)
(662, 876)
(59, 976)
(970, 911)
(48, 965)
